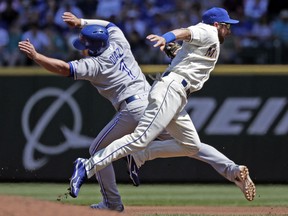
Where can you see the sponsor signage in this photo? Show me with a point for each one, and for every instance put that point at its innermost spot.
(49, 121)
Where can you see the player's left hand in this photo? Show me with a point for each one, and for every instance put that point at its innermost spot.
(27, 48)
(71, 20)
(160, 41)
(171, 49)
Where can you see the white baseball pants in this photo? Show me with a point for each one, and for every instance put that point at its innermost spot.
(165, 111)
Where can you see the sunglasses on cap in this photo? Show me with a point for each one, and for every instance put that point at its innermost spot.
(228, 26)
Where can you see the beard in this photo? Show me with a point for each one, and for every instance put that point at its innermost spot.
(221, 38)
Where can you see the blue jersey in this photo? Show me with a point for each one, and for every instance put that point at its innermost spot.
(115, 73)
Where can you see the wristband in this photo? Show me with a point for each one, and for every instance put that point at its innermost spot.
(169, 37)
(82, 22)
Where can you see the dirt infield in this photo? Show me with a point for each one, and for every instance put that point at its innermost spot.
(22, 206)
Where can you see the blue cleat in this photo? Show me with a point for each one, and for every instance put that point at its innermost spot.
(78, 177)
(133, 170)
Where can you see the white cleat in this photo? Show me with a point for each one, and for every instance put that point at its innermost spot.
(244, 182)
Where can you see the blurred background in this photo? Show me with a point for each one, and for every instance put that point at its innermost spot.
(48, 121)
(260, 38)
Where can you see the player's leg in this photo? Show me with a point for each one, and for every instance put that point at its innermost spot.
(123, 123)
(207, 153)
(182, 128)
(182, 132)
(111, 198)
(239, 174)
(223, 165)
(165, 102)
(166, 99)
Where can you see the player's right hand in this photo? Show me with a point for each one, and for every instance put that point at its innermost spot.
(160, 41)
(71, 19)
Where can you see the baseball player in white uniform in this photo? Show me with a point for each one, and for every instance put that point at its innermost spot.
(188, 71)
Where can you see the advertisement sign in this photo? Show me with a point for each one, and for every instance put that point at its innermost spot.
(49, 121)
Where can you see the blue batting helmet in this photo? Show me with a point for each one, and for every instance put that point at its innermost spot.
(94, 38)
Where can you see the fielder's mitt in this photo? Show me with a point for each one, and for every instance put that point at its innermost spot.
(171, 49)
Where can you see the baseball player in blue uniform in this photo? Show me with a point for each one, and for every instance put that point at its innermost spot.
(113, 71)
(188, 71)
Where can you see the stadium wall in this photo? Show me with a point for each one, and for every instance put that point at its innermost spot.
(48, 121)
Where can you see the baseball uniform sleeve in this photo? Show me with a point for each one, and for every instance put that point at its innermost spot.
(201, 35)
(85, 22)
(85, 68)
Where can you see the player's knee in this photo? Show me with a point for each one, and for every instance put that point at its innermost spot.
(91, 150)
(96, 146)
(193, 148)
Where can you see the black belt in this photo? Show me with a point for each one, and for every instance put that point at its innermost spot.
(183, 82)
(131, 98)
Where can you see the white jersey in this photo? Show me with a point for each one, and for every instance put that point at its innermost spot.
(197, 58)
(115, 73)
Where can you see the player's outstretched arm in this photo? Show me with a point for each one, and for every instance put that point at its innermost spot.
(74, 21)
(50, 64)
(177, 34)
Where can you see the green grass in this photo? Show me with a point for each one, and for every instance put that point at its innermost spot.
(157, 195)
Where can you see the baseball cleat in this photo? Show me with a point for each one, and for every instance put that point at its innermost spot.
(133, 170)
(78, 177)
(244, 182)
(101, 205)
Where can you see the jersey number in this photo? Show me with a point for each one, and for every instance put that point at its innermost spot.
(124, 68)
(211, 52)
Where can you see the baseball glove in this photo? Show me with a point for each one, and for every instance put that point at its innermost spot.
(171, 49)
